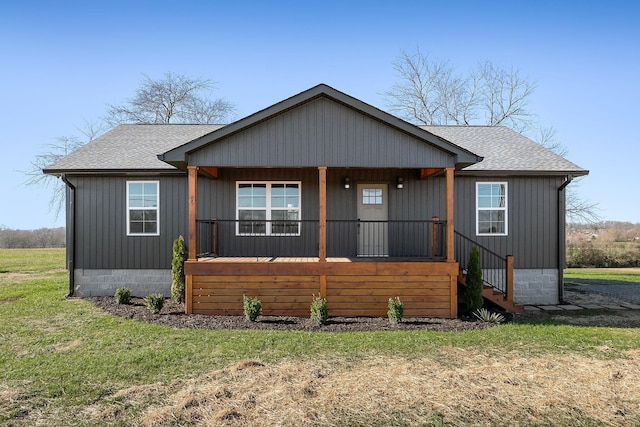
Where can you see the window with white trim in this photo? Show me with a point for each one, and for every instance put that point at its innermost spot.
(491, 208)
(268, 208)
(143, 201)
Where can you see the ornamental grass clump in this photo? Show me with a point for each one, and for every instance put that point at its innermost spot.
(123, 295)
(319, 312)
(252, 307)
(396, 310)
(154, 302)
(485, 315)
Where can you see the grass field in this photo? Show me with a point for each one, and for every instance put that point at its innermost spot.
(65, 362)
(625, 276)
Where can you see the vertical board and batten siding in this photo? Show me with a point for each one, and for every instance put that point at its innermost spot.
(419, 200)
(532, 219)
(321, 133)
(102, 229)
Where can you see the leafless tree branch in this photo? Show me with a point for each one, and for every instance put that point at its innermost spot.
(174, 99)
(428, 91)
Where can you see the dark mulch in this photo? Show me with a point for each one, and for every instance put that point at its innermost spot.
(173, 315)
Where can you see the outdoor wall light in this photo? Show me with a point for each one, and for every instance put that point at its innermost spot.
(347, 183)
(400, 183)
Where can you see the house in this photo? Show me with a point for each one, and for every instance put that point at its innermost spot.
(318, 194)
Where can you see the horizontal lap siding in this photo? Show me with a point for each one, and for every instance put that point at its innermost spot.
(369, 296)
(279, 295)
(352, 289)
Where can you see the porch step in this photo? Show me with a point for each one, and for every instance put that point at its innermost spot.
(497, 298)
(491, 294)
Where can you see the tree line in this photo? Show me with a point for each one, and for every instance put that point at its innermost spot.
(604, 244)
(40, 238)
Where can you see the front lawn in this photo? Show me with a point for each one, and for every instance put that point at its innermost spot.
(66, 362)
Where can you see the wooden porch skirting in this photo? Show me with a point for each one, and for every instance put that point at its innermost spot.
(286, 286)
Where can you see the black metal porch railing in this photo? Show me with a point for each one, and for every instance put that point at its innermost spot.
(494, 266)
(300, 238)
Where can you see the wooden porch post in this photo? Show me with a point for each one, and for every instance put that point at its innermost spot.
(509, 276)
(193, 212)
(322, 226)
(449, 214)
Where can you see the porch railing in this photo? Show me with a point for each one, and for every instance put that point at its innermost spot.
(299, 238)
(497, 271)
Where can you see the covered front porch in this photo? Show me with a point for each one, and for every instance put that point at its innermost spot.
(353, 266)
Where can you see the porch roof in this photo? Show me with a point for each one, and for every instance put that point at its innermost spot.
(321, 127)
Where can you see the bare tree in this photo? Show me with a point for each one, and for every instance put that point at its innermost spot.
(174, 99)
(430, 92)
(63, 146)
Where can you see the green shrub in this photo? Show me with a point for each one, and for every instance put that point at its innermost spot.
(396, 310)
(319, 312)
(252, 307)
(123, 295)
(473, 291)
(485, 315)
(180, 255)
(154, 302)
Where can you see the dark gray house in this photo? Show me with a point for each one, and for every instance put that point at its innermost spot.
(317, 194)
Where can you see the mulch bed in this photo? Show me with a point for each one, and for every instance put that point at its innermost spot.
(173, 315)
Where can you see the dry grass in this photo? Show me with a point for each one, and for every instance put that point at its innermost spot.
(470, 388)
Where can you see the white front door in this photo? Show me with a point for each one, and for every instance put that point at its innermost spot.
(373, 213)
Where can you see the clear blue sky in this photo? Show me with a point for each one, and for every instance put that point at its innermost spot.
(63, 61)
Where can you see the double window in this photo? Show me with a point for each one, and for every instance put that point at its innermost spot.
(268, 208)
(143, 201)
(491, 208)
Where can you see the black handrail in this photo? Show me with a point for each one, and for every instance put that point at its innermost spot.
(300, 238)
(493, 265)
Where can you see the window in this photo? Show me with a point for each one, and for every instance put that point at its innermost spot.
(491, 208)
(143, 199)
(268, 208)
(371, 196)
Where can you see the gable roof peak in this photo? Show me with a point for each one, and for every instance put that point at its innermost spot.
(178, 156)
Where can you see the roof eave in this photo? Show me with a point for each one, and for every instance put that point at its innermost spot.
(154, 171)
(504, 172)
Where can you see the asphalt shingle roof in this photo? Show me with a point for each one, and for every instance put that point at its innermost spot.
(131, 147)
(135, 147)
(505, 150)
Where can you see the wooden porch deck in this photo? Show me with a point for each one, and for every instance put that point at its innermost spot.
(352, 286)
(313, 259)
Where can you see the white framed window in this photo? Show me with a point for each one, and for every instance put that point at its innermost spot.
(371, 196)
(143, 201)
(491, 208)
(268, 208)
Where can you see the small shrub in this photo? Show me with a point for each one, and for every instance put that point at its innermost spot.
(396, 310)
(473, 291)
(180, 255)
(123, 295)
(485, 315)
(319, 312)
(154, 302)
(252, 307)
